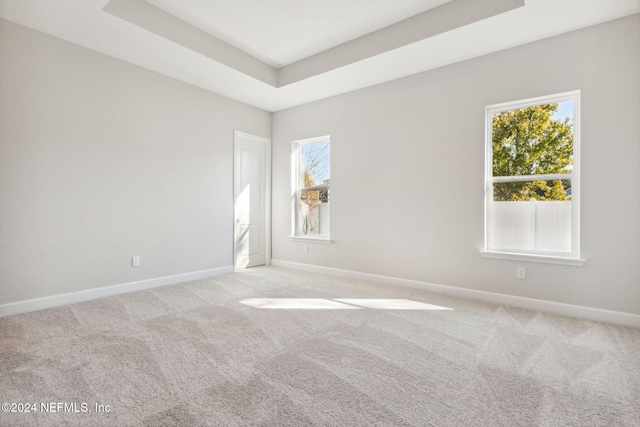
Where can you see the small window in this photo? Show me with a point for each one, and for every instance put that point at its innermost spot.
(311, 178)
(532, 177)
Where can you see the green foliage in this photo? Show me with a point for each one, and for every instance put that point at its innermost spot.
(528, 141)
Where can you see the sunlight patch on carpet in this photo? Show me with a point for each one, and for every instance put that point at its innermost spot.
(339, 304)
(391, 304)
(296, 303)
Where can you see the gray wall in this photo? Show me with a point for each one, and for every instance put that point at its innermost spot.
(407, 170)
(101, 160)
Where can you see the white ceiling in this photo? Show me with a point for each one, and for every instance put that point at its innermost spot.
(279, 32)
(276, 54)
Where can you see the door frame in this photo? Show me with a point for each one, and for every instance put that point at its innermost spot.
(267, 194)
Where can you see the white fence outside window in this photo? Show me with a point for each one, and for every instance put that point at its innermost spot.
(531, 226)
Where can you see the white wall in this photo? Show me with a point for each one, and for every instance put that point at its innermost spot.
(101, 160)
(407, 170)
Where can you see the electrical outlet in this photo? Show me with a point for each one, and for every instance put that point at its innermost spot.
(521, 273)
(305, 249)
(135, 261)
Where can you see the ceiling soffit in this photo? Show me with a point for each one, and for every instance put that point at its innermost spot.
(157, 21)
(447, 17)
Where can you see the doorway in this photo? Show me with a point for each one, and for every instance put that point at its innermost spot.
(252, 200)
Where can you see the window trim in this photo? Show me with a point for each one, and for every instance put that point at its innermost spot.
(547, 259)
(295, 170)
(569, 258)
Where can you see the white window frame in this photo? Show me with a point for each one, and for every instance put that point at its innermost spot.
(295, 193)
(569, 258)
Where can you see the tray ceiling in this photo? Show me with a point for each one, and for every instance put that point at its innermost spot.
(275, 54)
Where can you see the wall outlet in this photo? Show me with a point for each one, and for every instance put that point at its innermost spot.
(305, 249)
(521, 273)
(135, 261)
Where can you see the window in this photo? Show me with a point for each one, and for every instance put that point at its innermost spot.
(311, 189)
(532, 180)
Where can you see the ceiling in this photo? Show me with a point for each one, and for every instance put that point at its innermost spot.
(321, 25)
(276, 54)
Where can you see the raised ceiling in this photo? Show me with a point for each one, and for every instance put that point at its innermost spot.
(276, 54)
(280, 32)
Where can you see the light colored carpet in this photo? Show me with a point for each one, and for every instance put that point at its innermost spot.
(275, 347)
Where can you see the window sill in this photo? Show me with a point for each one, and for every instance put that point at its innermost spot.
(547, 259)
(308, 239)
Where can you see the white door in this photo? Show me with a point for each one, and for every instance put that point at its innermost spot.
(252, 155)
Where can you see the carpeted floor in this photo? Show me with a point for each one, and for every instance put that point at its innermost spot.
(275, 347)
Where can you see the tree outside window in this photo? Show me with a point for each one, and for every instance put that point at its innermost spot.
(312, 187)
(531, 141)
(532, 181)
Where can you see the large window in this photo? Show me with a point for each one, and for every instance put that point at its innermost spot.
(311, 187)
(532, 178)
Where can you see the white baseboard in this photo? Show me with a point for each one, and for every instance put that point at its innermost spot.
(578, 311)
(89, 294)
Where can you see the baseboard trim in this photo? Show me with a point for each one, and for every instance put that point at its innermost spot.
(577, 311)
(89, 294)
